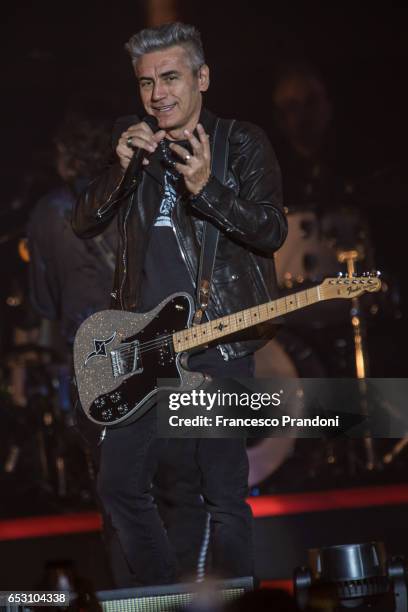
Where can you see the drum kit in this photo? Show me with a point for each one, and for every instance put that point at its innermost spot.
(327, 340)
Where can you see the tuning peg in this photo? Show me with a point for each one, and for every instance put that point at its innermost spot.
(378, 273)
(339, 274)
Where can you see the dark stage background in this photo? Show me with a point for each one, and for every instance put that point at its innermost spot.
(54, 53)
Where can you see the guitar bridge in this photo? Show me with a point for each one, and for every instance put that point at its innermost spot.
(126, 359)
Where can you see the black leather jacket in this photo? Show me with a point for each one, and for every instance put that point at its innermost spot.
(247, 209)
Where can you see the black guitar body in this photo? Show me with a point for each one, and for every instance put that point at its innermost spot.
(119, 357)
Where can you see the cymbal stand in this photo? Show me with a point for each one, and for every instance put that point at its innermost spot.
(350, 258)
(396, 450)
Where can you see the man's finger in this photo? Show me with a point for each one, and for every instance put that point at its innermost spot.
(195, 144)
(141, 129)
(158, 136)
(124, 151)
(181, 151)
(183, 169)
(132, 141)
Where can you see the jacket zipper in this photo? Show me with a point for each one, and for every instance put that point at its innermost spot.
(109, 203)
(124, 258)
(179, 244)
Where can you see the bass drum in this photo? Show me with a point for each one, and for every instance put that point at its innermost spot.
(311, 253)
(304, 256)
(286, 356)
(314, 242)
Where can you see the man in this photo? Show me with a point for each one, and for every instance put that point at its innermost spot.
(161, 225)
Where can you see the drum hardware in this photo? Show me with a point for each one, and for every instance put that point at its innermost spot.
(45, 452)
(396, 450)
(350, 258)
(316, 245)
(398, 414)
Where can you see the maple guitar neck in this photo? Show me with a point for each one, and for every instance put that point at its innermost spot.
(218, 328)
(330, 288)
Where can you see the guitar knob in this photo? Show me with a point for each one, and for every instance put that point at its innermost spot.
(123, 408)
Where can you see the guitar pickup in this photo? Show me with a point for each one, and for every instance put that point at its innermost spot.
(126, 359)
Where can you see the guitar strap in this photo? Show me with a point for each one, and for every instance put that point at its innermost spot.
(209, 242)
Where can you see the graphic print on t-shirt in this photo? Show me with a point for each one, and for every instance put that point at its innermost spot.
(167, 203)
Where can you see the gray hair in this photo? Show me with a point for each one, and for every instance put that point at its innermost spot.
(165, 36)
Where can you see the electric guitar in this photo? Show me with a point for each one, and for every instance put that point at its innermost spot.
(118, 356)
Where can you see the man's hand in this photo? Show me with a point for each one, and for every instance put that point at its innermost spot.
(137, 136)
(196, 169)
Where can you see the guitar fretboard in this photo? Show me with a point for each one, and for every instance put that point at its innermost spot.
(213, 330)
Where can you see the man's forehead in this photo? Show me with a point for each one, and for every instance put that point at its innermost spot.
(297, 88)
(165, 60)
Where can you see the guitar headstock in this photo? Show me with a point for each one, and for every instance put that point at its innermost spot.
(349, 287)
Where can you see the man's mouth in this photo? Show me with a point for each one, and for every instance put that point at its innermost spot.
(164, 109)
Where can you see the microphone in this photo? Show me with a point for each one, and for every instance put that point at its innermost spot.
(135, 164)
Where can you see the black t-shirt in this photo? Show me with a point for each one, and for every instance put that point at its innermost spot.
(164, 270)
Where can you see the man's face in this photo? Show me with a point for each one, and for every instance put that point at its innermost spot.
(304, 110)
(170, 90)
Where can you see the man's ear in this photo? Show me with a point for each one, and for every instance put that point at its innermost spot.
(203, 77)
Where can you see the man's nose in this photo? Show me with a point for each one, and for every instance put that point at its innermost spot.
(159, 91)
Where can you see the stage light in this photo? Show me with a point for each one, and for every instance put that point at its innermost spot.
(352, 576)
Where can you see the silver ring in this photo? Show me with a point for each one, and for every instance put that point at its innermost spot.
(129, 141)
(187, 157)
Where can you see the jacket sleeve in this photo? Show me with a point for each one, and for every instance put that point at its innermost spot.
(253, 213)
(98, 203)
(101, 200)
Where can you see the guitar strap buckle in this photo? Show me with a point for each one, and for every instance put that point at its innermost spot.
(203, 297)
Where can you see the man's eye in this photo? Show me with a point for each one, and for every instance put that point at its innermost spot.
(171, 77)
(145, 84)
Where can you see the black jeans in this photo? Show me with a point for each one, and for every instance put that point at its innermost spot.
(215, 468)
